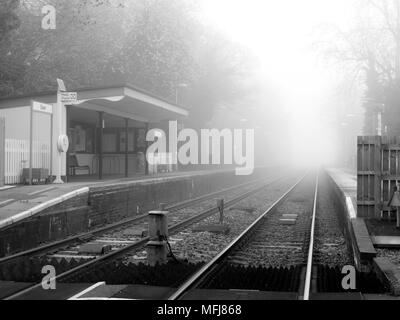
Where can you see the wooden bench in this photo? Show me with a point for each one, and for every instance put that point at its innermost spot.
(74, 165)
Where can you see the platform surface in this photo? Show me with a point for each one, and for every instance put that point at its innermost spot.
(124, 292)
(215, 295)
(62, 291)
(389, 274)
(386, 242)
(363, 239)
(337, 296)
(346, 180)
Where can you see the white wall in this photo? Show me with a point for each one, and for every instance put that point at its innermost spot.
(18, 130)
(17, 122)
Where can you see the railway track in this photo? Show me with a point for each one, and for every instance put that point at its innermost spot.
(179, 220)
(281, 252)
(211, 275)
(138, 222)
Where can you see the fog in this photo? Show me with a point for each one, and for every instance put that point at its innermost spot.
(304, 121)
(307, 76)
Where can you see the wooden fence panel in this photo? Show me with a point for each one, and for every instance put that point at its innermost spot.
(378, 172)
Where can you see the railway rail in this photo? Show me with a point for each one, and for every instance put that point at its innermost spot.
(210, 271)
(185, 222)
(295, 249)
(282, 252)
(114, 227)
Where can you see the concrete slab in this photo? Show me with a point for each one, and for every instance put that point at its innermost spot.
(290, 216)
(215, 295)
(63, 291)
(104, 292)
(132, 232)
(138, 292)
(389, 274)
(386, 242)
(8, 288)
(337, 296)
(214, 228)
(378, 297)
(363, 239)
(288, 222)
(95, 248)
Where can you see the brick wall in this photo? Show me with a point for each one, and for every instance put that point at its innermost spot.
(52, 224)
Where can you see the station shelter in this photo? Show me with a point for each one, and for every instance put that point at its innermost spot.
(106, 128)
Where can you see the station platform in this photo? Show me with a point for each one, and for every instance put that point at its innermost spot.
(346, 180)
(102, 291)
(357, 231)
(368, 236)
(22, 201)
(31, 216)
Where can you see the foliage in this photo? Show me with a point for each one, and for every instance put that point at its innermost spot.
(153, 44)
(8, 22)
(371, 51)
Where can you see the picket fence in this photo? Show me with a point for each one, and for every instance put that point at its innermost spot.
(17, 158)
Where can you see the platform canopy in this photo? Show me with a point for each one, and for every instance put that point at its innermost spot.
(124, 101)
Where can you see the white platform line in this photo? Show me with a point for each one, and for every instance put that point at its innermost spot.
(77, 296)
(35, 210)
(41, 191)
(7, 188)
(4, 203)
(350, 208)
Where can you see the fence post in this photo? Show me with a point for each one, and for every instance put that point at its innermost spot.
(378, 176)
(369, 180)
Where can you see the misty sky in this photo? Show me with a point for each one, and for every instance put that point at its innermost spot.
(280, 32)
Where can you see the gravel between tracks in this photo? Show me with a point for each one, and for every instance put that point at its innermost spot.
(197, 247)
(330, 247)
(129, 234)
(276, 244)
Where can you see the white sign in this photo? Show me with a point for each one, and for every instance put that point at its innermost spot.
(42, 107)
(63, 143)
(69, 97)
(61, 85)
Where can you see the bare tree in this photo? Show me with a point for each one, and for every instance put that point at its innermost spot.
(371, 52)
